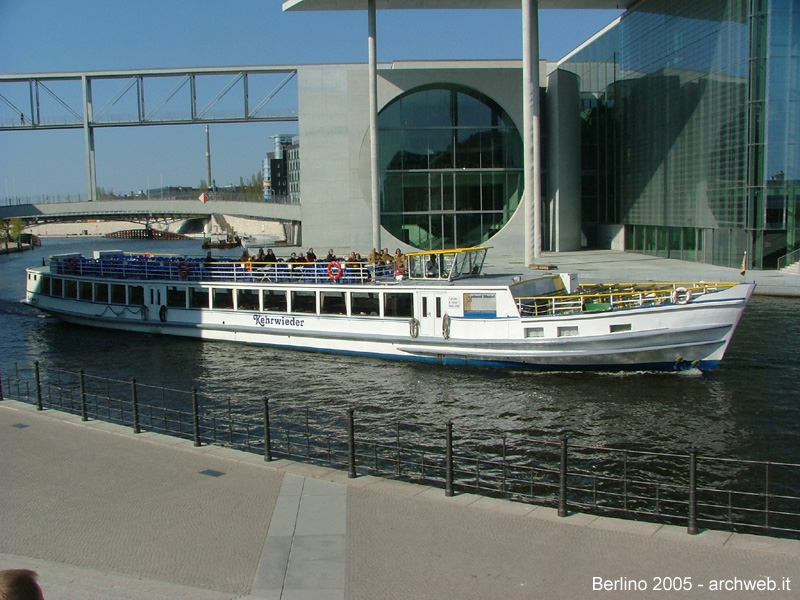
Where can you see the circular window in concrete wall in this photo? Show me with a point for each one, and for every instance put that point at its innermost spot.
(451, 167)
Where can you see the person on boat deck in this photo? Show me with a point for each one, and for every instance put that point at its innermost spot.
(373, 256)
(385, 257)
(261, 257)
(310, 256)
(331, 256)
(431, 267)
(399, 259)
(209, 258)
(245, 256)
(270, 256)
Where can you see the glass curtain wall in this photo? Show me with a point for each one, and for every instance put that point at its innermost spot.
(690, 129)
(451, 167)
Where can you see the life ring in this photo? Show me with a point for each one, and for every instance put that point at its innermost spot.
(446, 326)
(413, 327)
(72, 263)
(334, 270)
(681, 296)
(183, 268)
(162, 313)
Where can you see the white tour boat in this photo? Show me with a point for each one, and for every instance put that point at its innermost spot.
(436, 307)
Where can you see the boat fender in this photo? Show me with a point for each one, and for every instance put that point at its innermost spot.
(681, 296)
(446, 326)
(334, 270)
(413, 327)
(184, 268)
(162, 313)
(72, 263)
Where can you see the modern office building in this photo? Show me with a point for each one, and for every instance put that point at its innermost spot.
(673, 132)
(691, 131)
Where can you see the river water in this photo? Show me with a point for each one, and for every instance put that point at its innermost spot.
(748, 408)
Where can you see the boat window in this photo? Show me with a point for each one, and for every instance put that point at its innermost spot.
(365, 304)
(198, 297)
(332, 303)
(398, 304)
(85, 291)
(70, 288)
(45, 285)
(275, 300)
(101, 292)
(176, 296)
(136, 295)
(534, 332)
(304, 301)
(222, 298)
(117, 293)
(58, 287)
(620, 327)
(567, 331)
(247, 299)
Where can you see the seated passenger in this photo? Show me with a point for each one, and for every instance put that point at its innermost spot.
(310, 256)
(431, 268)
(331, 256)
(270, 256)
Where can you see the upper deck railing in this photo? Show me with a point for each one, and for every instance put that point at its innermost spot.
(438, 265)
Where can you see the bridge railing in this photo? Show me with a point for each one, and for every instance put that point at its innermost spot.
(190, 195)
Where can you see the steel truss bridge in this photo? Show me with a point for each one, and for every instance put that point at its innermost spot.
(93, 100)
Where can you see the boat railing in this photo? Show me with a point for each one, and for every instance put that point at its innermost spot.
(178, 268)
(603, 297)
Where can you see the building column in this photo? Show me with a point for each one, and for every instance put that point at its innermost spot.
(530, 125)
(373, 126)
(88, 137)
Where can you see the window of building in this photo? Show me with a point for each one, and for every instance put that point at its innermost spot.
(451, 167)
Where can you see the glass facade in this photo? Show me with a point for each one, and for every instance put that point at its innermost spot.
(451, 167)
(691, 121)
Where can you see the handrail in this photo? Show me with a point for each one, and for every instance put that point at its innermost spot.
(605, 297)
(181, 268)
(788, 259)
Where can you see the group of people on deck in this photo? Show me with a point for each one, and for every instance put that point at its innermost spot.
(395, 261)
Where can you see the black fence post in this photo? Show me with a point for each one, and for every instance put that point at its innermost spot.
(267, 433)
(135, 402)
(692, 528)
(196, 417)
(84, 415)
(351, 444)
(448, 482)
(38, 388)
(562, 484)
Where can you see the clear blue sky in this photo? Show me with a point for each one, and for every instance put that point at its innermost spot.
(42, 36)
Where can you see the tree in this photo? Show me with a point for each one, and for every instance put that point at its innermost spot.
(15, 227)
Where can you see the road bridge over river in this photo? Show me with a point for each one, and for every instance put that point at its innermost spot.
(150, 211)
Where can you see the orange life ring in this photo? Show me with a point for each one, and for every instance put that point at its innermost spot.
(183, 268)
(334, 270)
(72, 263)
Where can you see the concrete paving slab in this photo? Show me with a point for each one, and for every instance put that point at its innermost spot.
(635, 527)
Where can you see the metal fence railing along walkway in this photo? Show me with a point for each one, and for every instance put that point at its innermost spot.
(681, 489)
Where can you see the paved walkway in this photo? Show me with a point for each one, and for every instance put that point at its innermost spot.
(607, 266)
(101, 512)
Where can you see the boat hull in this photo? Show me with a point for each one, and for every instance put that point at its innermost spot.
(660, 338)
